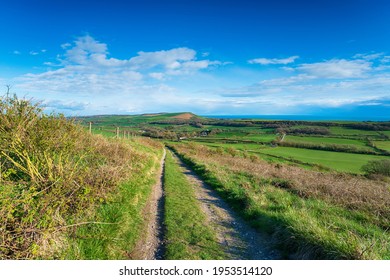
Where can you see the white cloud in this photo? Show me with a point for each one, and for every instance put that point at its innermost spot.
(169, 59)
(88, 74)
(66, 45)
(287, 81)
(280, 95)
(88, 52)
(88, 80)
(64, 105)
(337, 68)
(37, 52)
(16, 52)
(267, 61)
(157, 75)
(368, 56)
(385, 59)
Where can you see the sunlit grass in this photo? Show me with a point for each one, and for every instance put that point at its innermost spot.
(188, 235)
(303, 224)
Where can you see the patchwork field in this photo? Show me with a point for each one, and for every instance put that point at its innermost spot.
(338, 146)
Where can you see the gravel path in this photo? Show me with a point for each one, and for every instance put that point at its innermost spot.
(239, 240)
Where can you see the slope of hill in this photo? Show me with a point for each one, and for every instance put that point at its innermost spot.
(54, 176)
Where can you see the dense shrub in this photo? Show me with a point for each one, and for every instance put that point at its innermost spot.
(369, 126)
(309, 130)
(377, 167)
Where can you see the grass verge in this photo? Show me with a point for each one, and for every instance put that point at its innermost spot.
(54, 176)
(120, 221)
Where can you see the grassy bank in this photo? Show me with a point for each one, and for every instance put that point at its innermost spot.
(188, 236)
(310, 214)
(119, 223)
(53, 177)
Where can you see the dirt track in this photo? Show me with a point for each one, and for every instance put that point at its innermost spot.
(239, 240)
(153, 245)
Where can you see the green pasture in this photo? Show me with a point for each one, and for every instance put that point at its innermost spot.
(384, 145)
(337, 130)
(387, 133)
(240, 137)
(325, 140)
(339, 161)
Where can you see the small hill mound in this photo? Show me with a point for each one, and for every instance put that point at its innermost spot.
(184, 116)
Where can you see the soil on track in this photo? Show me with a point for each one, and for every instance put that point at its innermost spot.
(239, 240)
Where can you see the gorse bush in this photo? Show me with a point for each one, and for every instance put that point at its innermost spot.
(51, 173)
(377, 167)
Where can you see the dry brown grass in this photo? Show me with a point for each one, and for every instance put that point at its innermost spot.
(353, 192)
(184, 116)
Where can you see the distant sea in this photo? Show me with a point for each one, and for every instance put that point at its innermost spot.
(300, 117)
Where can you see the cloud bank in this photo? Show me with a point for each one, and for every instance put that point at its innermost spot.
(86, 79)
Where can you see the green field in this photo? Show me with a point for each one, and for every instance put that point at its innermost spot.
(387, 132)
(325, 140)
(263, 138)
(238, 146)
(384, 145)
(336, 130)
(345, 162)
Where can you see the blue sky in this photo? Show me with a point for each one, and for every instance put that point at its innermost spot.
(212, 57)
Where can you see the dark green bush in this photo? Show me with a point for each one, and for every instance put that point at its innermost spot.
(377, 167)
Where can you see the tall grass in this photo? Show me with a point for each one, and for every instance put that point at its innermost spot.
(121, 221)
(52, 174)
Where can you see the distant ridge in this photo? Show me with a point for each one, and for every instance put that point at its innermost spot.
(152, 115)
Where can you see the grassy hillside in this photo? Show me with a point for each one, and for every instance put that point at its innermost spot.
(121, 220)
(54, 178)
(132, 120)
